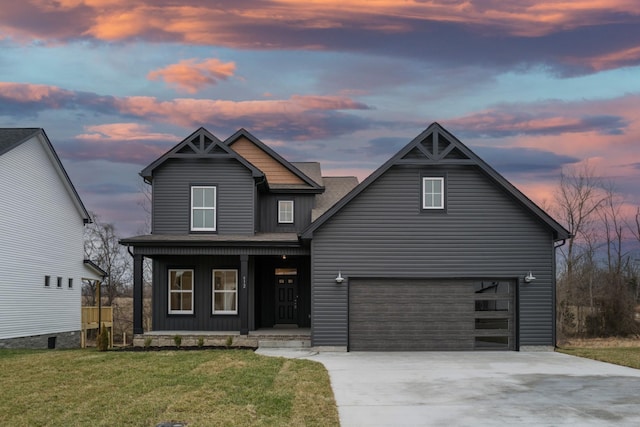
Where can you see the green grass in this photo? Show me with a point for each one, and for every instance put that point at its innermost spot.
(201, 388)
(625, 356)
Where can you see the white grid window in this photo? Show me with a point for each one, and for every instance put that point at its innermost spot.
(180, 291)
(203, 208)
(285, 211)
(225, 292)
(432, 193)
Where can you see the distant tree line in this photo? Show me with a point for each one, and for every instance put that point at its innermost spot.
(597, 286)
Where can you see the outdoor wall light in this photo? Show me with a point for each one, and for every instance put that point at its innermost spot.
(529, 278)
(339, 278)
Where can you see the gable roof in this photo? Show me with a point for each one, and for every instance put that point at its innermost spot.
(11, 138)
(200, 144)
(436, 146)
(306, 182)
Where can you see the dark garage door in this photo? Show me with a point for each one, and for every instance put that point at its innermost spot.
(394, 314)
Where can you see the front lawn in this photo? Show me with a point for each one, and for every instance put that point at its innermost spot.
(200, 388)
(625, 356)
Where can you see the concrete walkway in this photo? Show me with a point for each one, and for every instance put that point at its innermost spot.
(477, 389)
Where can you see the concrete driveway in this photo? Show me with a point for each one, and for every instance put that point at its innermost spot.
(478, 389)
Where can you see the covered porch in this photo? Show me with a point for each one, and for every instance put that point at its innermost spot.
(230, 286)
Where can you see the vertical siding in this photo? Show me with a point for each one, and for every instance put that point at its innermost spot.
(172, 195)
(383, 233)
(202, 319)
(268, 217)
(41, 233)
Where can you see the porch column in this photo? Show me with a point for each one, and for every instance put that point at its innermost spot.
(137, 294)
(243, 297)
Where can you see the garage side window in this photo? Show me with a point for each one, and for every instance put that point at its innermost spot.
(180, 291)
(433, 193)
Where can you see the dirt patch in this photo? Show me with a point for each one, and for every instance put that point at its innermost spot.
(601, 342)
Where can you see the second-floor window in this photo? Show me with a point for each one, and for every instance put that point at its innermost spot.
(203, 208)
(285, 211)
(432, 193)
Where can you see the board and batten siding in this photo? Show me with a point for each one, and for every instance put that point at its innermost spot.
(202, 318)
(172, 195)
(268, 214)
(41, 233)
(383, 233)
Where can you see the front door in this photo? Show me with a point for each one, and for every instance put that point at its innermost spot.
(286, 300)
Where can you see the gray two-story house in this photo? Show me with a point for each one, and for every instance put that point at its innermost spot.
(433, 251)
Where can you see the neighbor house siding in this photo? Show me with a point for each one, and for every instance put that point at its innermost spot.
(41, 233)
(172, 195)
(383, 233)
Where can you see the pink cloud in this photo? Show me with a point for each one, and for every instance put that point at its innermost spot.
(200, 22)
(190, 76)
(26, 92)
(119, 142)
(123, 132)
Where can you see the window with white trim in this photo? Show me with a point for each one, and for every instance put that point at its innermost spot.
(203, 208)
(225, 292)
(432, 193)
(180, 291)
(285, 211)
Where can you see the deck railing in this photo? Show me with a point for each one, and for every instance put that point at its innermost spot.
(90, 318)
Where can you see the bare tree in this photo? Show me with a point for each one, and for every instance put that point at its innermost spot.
(102, 247)
(578, 198)
(577, 201)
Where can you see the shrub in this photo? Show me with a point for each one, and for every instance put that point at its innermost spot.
(229, 341)
(200, 341)
(147, 342)
(178, 340)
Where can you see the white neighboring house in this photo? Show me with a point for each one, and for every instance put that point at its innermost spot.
(41, 245)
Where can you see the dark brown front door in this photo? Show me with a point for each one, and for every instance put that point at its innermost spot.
(286, 300)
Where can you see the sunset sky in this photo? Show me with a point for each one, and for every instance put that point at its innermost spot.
(531, 86)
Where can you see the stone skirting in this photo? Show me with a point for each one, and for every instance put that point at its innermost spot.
(524, 348)
(194, 339)
(61, 340)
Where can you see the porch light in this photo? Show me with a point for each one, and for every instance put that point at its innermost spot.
(529, 278)
(339, 278)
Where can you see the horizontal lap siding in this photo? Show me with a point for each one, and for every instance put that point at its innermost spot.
(172, 195)
(383, 233)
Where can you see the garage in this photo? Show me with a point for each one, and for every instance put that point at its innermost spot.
(421, 314)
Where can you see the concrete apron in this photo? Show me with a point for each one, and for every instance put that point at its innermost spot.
(477, 389)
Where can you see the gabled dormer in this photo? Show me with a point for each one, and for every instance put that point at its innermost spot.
(201, 186)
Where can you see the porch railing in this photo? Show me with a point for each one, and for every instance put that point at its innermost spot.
(90, 318)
